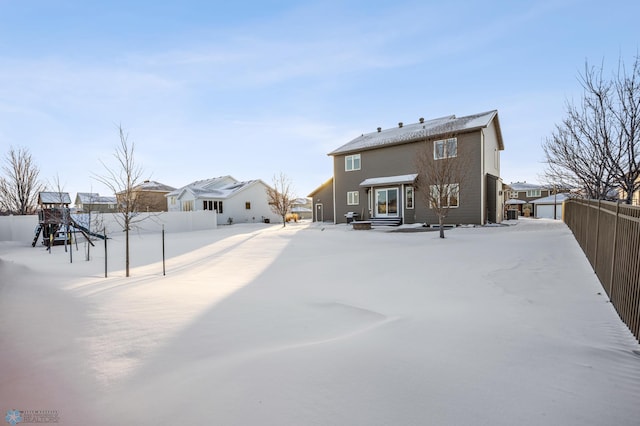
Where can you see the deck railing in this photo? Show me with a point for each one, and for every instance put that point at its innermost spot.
(609, 234)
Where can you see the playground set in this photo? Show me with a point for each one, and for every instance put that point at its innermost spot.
(55, 222)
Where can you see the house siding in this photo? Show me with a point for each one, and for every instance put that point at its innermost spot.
(399, 160)
(323, 196)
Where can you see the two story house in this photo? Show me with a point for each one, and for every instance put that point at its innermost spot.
(375, 175)
(519, 196)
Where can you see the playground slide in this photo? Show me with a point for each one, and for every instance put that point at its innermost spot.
(85, 230)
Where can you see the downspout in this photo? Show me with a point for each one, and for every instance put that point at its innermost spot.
(333, 193)
(483, 182)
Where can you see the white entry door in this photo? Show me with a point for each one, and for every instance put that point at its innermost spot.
(386, 202)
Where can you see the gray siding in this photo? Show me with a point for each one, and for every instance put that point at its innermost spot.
(399, 160)
(324, 196)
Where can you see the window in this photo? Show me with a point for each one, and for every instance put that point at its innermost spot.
(513, 194)
(172, 200)
(408, 197)
(449, 196)
(445, 148)
(533, 193)
(353, 198)
(187, 206)
(247, 205)
(352, 162)
(217, 206)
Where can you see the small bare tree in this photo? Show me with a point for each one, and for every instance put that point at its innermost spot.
(280, 196)
(20, 186)
(122, 179)
(442, 167)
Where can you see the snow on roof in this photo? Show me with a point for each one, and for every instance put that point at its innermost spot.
(414, 132)
(94, 198)
(513, 201)
(54, 198)
(388, 180)
(524, 186)
(150, 185)
(551, 199)
(220, 187)
(205, 185)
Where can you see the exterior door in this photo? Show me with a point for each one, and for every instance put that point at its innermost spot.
(386, 202)
(319, 213)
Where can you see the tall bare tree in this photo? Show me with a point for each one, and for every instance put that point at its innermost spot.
(442, 166)
(280, 196)
(20, 186)
(596, 147)
(122, 178)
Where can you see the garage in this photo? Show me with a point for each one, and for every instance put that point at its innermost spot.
(545, 211)
(544, 207)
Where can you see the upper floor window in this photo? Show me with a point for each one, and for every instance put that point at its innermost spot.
(533, 193)
(352, 162)
(247, 205)
(513, 194)
(353, 198)
(445, 148)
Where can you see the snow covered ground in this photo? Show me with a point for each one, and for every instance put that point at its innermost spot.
(318, 325)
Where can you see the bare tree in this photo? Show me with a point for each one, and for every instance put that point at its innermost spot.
(442, 167)
(280, 196)
(597, 145)
(20, 186)
(122, 179)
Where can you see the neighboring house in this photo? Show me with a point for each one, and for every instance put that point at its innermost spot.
(93, 202)
(302, 208)
(635, 200)
(322, 201)
(549, 207)
(520, 196)
(150, 196)
(375, 176)
(234, 201)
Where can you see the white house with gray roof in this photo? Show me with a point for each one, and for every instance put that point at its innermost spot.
(232, 200)
(375, 176)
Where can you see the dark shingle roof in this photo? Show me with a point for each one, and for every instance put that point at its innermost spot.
(417, 131)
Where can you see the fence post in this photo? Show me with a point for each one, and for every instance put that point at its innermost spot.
(613, 254)
(595, 260)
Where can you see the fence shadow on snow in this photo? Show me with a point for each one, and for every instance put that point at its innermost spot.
(609, 234)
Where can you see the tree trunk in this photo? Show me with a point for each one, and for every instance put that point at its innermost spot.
(441, 222)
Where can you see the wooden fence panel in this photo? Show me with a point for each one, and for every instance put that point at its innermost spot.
(609, 234)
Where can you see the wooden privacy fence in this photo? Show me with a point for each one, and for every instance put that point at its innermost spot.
(609, 234)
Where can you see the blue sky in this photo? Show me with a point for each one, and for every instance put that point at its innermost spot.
(251, 89)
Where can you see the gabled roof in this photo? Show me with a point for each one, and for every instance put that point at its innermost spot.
(151, 185)
(216, 188)
(93, 198)
(425, 129)
(203, 186)
(552, 199)
(321, 187)
(524, 186)
(54, 198)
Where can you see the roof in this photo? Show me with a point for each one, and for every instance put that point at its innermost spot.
(524, 186)
(151, 185)
(389, 180)
(422, 130)
(513, 201)
(321, 187)
(220, 188)
(54, 198)
(552, 199)
(204, 185)
(93, 198)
